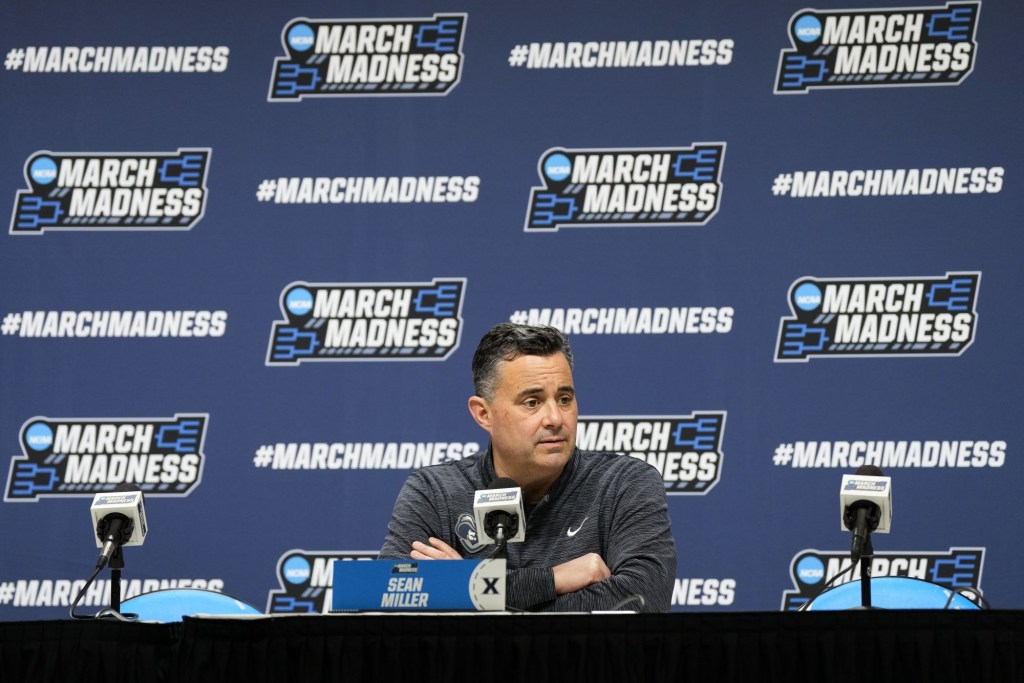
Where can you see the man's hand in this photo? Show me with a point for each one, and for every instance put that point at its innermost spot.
(579, 573)
(437, 550)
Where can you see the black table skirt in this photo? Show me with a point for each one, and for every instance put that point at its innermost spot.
(829, 647)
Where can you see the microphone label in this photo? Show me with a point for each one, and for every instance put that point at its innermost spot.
(483, 497)
(867, 485)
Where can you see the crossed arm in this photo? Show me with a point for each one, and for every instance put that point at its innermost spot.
(569, 576)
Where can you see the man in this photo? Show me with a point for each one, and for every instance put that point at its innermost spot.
(597, 527)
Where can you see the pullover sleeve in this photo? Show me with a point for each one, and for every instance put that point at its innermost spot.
(416, 517)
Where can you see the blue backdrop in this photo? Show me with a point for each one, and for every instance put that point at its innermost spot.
(251, 252)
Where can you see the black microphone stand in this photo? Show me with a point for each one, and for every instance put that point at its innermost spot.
(116, 564)
(865, 573)
(856, 517)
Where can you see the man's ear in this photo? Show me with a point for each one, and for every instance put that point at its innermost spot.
(481, 412)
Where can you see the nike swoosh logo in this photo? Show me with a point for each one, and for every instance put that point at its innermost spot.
(570, 532)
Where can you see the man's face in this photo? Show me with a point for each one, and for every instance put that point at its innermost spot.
(531, 418)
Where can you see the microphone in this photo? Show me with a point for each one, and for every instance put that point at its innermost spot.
(498, 510)
(865, 506)
(119, 518)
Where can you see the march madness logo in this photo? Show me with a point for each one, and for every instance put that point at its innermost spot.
(901, 46)
(150, 191)
(306, 579)
(636, 187)
(687, 449)
(369, 57)
(960, 568)
(929, 316)
(69, 457)
(358, 322)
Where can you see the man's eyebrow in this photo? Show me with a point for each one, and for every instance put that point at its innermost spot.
(531, 391)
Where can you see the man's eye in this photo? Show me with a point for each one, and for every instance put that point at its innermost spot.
(530, 403)
(565, 400)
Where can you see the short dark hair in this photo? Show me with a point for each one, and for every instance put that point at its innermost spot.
(508, 341)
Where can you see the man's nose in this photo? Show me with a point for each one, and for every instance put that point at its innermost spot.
(552, 414)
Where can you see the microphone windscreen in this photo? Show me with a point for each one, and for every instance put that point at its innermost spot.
(504, 483)
(869, 471)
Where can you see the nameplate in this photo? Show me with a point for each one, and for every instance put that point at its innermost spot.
(418, 585)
